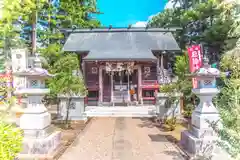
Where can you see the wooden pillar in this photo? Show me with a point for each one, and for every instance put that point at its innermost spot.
(83, 69)
(111, 74)
(158, 69)
(139, 84)
(100, 85)
(162, 66)
(129, 96)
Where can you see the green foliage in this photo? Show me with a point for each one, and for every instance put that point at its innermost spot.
(183, 84)
(65, 82)
(6, 101)
(231, 61)
(71, 13)
(214, 26)
(228, 103)
(76, 14)
(188, 109)
(10, 135)
(171, 123)
(10, 141)
(11, 11)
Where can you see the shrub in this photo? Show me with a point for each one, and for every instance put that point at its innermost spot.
(187, 113)
(10, 141)
(170, 123)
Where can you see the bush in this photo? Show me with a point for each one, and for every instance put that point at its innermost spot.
(187, 113)
(170, 123)
(10, 141)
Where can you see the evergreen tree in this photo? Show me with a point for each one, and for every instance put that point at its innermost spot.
(200, 23)
(70, 14)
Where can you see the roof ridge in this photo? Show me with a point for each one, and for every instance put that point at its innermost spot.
(133, 29)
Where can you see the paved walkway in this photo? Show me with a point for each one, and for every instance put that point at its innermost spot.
(121, 139)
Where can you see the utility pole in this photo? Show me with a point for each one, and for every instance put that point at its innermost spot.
(34, 30)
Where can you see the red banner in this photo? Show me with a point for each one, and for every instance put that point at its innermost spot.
(195, 60)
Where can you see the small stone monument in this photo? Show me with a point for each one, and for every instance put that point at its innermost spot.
(39, 135)
(205, 113)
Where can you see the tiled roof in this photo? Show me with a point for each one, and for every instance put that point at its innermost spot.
(134, 43)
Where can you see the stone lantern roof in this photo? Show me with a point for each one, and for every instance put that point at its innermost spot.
(206, 70)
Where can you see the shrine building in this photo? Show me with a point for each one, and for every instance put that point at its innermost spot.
(123, 65)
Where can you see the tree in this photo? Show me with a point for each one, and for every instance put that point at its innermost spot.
(183, 84)
(10, 136)
(69, 14)
(228, 100)
(9, 29)
(65, 82)
(202, 23)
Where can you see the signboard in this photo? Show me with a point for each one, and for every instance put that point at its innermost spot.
(195, 60)
(120, 87)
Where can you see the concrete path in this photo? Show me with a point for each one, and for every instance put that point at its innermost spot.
(121, 139)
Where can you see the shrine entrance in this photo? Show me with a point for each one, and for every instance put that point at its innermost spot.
(123, 82)
(123, 78)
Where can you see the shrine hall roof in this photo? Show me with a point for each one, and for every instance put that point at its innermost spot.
(118, 44)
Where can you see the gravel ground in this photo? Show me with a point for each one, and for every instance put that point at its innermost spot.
(122, 139)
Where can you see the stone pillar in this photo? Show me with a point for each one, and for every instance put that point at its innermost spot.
(76, 108)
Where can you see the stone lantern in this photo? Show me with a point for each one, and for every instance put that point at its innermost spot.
(205, 113)
(39, 135)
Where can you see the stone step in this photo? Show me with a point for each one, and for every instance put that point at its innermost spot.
(115, 114)
(120, 111)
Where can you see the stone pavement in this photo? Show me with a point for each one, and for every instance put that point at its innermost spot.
(121, 139)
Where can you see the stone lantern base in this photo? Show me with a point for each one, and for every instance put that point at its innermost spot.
(203, 116)
(42, 145)
(40, 136)
(192, 144)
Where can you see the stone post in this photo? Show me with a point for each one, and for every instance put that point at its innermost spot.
(76, 110)
(164, 110)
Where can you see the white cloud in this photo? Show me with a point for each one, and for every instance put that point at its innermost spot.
(170, 4)
(143, 23)
(140, 24)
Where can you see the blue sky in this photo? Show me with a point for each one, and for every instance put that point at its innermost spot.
(121, 13)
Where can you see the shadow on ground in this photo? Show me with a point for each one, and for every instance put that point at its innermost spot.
(175, 155)
(158, 138)
(147, 122)
(163, 135)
